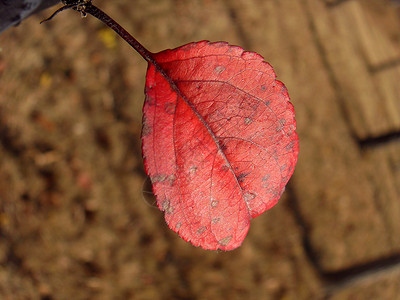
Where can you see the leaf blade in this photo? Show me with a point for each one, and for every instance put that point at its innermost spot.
(219, 116)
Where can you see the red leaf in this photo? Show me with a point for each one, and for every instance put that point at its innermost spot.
(219, 140)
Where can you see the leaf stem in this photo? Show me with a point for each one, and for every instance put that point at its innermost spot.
(106, 19)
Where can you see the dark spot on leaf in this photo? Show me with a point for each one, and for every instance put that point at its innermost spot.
(188, 47)
(282, 121)
(219, 69)
(149, 100)
(225, 241)
(201, 229)
(249, 196)
(178, 225)
(254, 106)
(222, 145)
(167, 207)
(193, 170)
(275, 191)
(221, 45)
(214, 203)
(266, 177)
(248, 121)
(146, 128)
(265, 180)
(224, 168)
(267, 103)
(170, 108)
(263, 88)
(242, 176)
(290, 129)
(290, 146)
(163, 178)
(215, 220)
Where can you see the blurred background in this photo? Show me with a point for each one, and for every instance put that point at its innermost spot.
(77, 219)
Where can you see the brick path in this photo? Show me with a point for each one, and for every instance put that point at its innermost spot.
(71, 176)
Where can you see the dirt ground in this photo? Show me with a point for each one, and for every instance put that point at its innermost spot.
(77, 217)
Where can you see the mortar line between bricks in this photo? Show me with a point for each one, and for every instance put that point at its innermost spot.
(336, 3)
(296, 212)
(381, 140)
(387, 65)
(368, 272)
